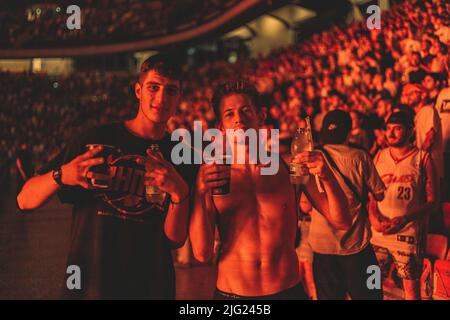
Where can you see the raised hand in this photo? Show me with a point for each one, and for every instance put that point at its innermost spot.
(212, 176)
(74, 173)
(162, 174)
(314, 163)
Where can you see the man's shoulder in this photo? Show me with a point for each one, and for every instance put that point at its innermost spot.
(445, 92)
(427, 109)
(347, 151)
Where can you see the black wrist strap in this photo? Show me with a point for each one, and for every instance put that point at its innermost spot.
(57, 175)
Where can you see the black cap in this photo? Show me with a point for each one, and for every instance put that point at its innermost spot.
(401, 117)
(336, 126)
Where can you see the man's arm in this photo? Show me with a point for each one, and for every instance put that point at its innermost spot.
(162, 174)
(177, 220)
(333, 202)
(37, 191)
(429, 140)
(377, 220)
(202, 224)
(40, 188)
(372, 179)
(201, 228)
(20, 168)
(377, 188)
(431, 191)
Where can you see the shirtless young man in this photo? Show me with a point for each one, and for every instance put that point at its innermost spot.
(257, 220)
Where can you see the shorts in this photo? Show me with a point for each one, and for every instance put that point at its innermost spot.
(304, 250)
(339, 276)
(408, 265)
(295, 293)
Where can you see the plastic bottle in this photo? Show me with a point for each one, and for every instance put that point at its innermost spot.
(302, 141)
(153, 193)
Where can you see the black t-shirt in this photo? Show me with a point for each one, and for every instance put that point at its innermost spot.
(117, 237)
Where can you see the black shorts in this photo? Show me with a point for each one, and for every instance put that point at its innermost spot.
(336, 276)
(295, 293)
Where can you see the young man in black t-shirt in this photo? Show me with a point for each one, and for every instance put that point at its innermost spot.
(120, 240)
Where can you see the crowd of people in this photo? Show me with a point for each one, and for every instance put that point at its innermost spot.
(351, 68)
(106, 21)
(44, 112)
(374, 75)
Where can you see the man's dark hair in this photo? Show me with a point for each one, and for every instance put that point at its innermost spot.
(165, 64)
(235, 87)
(403, 118)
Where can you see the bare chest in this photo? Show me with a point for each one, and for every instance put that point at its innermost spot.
(254, 194)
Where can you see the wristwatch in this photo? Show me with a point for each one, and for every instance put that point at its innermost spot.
(57, 175)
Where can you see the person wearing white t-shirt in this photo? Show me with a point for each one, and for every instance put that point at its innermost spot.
(341, 258)
(399, 221)
(427, 124)
(443, 109)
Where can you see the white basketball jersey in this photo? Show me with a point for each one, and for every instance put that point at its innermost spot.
(405, 191)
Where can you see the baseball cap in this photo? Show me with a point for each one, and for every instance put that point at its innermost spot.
(401, 117)
(336, 126)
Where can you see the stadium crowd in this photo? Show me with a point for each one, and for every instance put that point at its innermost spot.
(351, 68)
(371, 74)
(105, 21)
